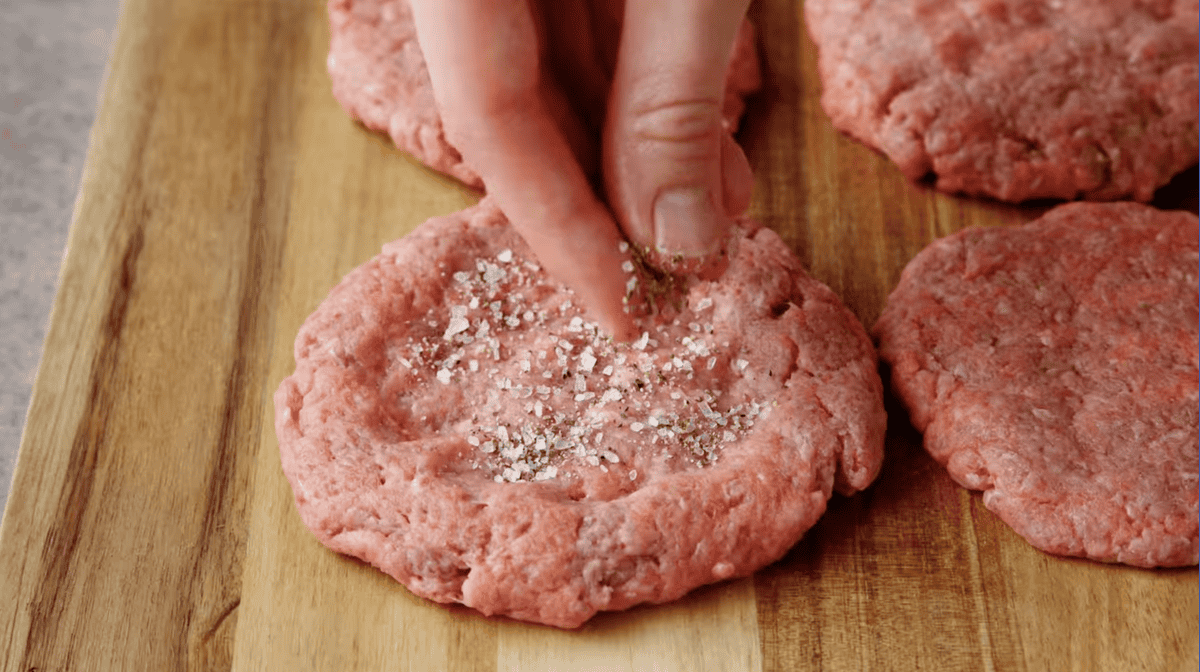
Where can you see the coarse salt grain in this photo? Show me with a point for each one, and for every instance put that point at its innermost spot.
(587, 361)
(641, 343)
(493, 274)
(458, 322)
(443, 376)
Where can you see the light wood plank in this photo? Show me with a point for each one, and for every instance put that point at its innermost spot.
(713, 628)
(350, 193)
(138, 473)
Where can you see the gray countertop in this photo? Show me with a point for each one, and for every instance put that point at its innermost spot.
(52, 60)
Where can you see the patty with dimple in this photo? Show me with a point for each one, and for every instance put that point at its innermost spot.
(457, 421)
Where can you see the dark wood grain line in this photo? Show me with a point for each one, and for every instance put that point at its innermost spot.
(215, 573)
(46, 639)
(58, 550)
(212, 630)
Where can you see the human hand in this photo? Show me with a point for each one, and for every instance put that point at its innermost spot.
(521, 87)
(674, 176)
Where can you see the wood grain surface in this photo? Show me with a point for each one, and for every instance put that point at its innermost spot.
(150, 527)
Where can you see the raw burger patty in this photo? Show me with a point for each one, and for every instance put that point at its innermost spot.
(1054, 367)
(1016, 99)
(379, 77)
(455, 421)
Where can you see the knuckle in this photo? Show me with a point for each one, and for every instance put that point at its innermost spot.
(691, 126)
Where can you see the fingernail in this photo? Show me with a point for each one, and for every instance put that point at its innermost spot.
(686, 222)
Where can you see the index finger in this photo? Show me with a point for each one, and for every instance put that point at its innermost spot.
(484, 63)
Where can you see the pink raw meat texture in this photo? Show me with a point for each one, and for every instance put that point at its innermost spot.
(456, 421)
(379, 77)
(1054, 367)
(1016, 99)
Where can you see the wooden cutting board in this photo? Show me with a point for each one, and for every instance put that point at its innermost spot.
(150, 527)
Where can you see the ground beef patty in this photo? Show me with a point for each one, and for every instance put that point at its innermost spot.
(379, 76)
(1054, 367)
(1016, 99)
(456, 421)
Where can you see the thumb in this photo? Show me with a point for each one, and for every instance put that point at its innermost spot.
(673, 175)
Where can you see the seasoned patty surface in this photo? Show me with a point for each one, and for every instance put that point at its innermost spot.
(1054, 367)
(456, 421)
(1016, 99)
